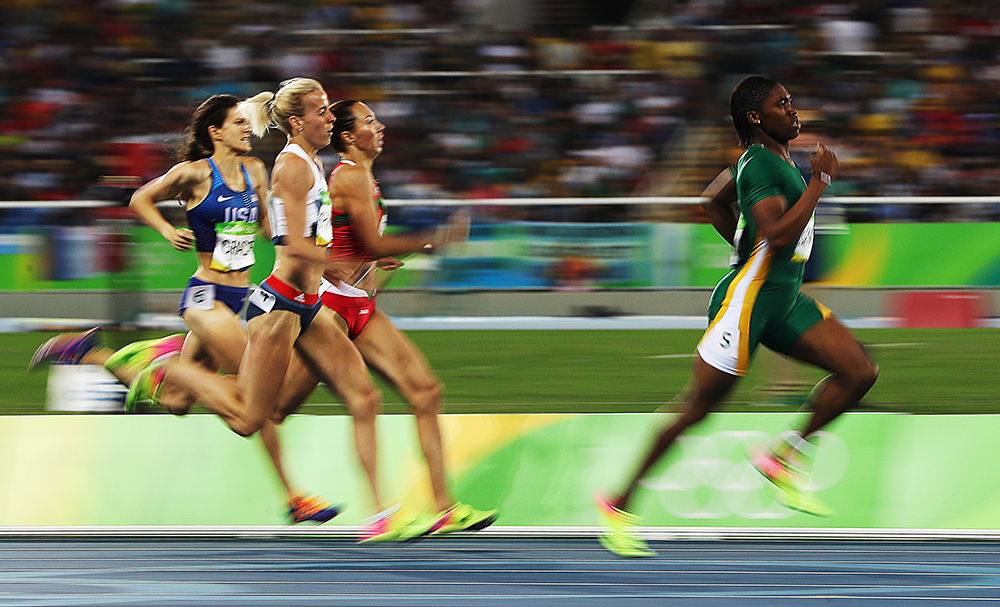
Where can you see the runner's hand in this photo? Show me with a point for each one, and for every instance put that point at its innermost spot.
(824, 160)
(388, 264)
(181, 239)
(456, 229)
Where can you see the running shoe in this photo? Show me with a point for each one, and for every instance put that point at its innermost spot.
(463, 517)
(66, 348)
(312, 508)
(621, 530)
(146, 384)
(394, 525)
(140, 354)
(789, 479)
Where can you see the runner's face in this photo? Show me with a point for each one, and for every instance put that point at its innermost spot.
(778, 117)
(317, 120)
(369, 133)
(235, 131)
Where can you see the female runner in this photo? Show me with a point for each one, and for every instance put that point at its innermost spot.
(759, 302)
(359, 246)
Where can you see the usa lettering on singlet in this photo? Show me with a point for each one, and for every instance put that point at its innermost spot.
(225, 223)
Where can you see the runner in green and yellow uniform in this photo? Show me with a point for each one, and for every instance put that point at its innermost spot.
(758, 301)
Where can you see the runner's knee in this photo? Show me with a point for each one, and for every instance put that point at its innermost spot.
(865, 377)
(366, 406)
(175, 405)
(247, 427)
(427, 399)
(693, 415)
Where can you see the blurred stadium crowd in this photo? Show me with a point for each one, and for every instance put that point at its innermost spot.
(94, 92)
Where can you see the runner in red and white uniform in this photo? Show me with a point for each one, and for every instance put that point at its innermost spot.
(361, 248)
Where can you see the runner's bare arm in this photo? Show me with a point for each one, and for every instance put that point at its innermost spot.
(178, 183)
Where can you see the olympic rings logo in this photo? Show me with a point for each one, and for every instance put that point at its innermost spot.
(712, 477)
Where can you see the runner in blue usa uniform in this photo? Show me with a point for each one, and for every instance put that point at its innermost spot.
(222, 189)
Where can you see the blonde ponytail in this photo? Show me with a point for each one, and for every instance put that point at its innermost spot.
(274, 109)
(258, 112)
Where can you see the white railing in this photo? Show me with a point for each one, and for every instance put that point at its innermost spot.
(680, 200)
(528, 202)
(56, 204)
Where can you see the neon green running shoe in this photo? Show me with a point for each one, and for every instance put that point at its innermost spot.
(395, 525)
(805, 501)
(621, 530)
(139, 354)
(146, 384)
(463, 517)
(789, 480)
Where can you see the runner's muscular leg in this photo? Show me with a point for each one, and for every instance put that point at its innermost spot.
(387, 350)
(300, 381)
(224, 340)
(831, 346)
(272, 338)
(327, 349)
(220, 333)
(216, 340)
(708, 386)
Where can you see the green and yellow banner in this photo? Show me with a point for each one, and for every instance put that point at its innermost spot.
(874, 470)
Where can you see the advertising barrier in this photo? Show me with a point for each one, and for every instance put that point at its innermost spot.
(533, 255)
(877, 471)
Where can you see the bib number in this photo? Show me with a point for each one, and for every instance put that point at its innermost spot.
(262, 299)
(324, 221)
(201, 297)
(233, 246)
(734, 255)
(803, 248)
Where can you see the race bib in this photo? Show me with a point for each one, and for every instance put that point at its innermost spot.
(734, 255)
(276, 215)
(233, 246)
(262, 299)
(324, 221)
(804, 247)
(199, 297)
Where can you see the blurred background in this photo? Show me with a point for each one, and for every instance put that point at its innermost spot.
(514, 108)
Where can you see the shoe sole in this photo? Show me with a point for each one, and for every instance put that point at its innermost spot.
(416, 538)
(385, 537)
(319, 520)
(396, 536)
(477, 526)
(632, 555)
(785, 491)
(40, 354)
(823, 512)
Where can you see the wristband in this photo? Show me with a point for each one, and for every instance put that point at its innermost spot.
(825, 178)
